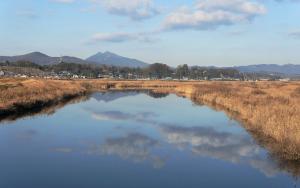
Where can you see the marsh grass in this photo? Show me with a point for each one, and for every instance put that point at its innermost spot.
(273, 109)
(22, 93)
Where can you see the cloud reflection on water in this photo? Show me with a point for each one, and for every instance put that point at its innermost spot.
(27, 134)
(134, 146)
(201, 141)
(207, 142)
(118, 115)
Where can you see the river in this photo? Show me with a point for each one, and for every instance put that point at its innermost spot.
(135, 139)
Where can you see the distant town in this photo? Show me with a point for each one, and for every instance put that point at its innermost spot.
(156, 71)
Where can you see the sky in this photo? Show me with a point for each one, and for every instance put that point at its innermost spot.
(194, 32)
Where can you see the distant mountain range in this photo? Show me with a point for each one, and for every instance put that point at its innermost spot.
(41, 59)
(113, 95)
(111, 59)
(288, 69)
(106, 58)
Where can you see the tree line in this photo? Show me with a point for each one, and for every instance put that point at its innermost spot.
(153, 71)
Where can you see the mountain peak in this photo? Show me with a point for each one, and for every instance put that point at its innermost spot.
(109, 53)
(104, 53)
(110, 58)
(98, 53)
(37, 54)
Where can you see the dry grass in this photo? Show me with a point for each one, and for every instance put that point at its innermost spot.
(21, 92)
(270, 108)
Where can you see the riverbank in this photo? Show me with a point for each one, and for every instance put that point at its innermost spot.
(269, 108)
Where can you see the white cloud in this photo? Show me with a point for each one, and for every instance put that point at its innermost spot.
(134, 9)
(113, 37)
(27, 14)
(122, 37)
(210, 14)
(295, 34)
(63, 1)
(294, 1)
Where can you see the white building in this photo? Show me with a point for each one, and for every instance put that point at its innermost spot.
(75, 76)
(284, 79)
(2, 73)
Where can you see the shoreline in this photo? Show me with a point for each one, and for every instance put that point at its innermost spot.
(20, 110)
(269, 108)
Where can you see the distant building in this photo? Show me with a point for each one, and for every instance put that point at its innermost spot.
(284, 79)
(216, 79)
(2, 73)
(103, 76)
(75, 76)
(264, 79)
(168, 78)
(21, 76)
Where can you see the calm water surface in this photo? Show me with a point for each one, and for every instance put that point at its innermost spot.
(131, 139)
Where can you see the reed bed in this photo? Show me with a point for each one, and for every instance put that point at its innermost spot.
(23, 94)
(270, 108)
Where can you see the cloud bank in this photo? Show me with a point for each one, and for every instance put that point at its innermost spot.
(136, 10)
(63, 1)
(211, 14)
(120, 37)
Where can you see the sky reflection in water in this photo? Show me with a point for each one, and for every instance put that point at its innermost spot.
(129, 139)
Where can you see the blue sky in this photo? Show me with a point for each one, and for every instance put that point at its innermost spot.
(196, 32)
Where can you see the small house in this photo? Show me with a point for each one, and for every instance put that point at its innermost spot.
(75, 76)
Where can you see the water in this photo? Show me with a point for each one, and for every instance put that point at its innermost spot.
(131, 139)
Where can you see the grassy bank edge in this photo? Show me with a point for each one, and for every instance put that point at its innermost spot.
(270, 108)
